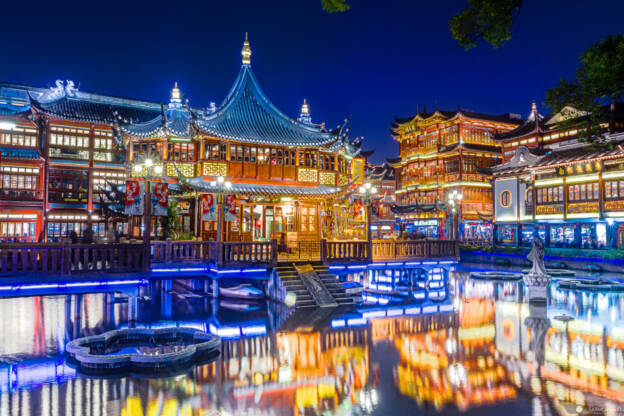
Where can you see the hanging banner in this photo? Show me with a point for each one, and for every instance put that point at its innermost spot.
(376, 208)
(134, 198)
(229, 213)
(209, 207)
(357, 170)
(160, 200)
(357, 208)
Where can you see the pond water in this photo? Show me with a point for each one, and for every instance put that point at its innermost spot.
(483, 350)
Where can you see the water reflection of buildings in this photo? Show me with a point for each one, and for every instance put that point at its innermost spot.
(449, 358)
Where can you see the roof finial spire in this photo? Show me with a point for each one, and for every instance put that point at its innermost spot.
(176, 97)
(246, 52)
(533, 106)
(304, 117)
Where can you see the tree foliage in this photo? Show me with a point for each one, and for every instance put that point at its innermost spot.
(335, 6)
(488, 20)
(598, 83)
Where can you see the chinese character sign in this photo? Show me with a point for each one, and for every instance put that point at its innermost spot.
(209, 207)
(160, 200)
(357, 170)
(134, 198)
(357, 208)
(229, 212)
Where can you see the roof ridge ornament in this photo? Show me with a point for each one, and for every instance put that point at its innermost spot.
(305, 117)
(176, 96)
(246, 51)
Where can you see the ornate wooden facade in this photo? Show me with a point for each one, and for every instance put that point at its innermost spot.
(440, 152)
(554, 184)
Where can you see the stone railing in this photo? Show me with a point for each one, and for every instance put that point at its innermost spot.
(65, 259)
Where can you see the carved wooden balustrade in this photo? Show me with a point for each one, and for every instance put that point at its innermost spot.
(65, 259)
(354, 251)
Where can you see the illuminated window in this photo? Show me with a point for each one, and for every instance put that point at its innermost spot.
(505, 198)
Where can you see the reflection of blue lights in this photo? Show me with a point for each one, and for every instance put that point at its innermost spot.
(254, 330)
(430, 309)
(70, 285)
(254, 270)
(338, 323)
(374, 314)
(375, 299)
(412, 263)
(225, 271)
(356, 267)
(446, 308)
(412, 311)
(395, 312)
(419, 295)
(336, 267)
(356, 321)
(394, 264)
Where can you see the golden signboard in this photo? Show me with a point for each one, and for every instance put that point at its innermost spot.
(357, 170)
(549, 209)
(583, 207)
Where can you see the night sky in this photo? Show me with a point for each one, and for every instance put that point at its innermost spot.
(382, 58)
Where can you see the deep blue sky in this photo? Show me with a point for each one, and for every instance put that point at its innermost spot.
(380, 59)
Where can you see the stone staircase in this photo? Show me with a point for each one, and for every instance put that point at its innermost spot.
(292, 282)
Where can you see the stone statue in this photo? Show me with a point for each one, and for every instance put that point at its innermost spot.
(537, 279)
(537, 257)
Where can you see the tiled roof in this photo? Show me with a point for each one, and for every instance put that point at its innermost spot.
(534, 123)
(202, 185)
(247, 115)
(74, 108)
(503, 118)
(177, 123)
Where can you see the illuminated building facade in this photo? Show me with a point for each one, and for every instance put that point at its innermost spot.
(64, 151)
(440, 152)
(554, 184)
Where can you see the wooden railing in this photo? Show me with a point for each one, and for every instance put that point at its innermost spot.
(358, 251)
(65, 259)
(247, 253)
(224, 253)
(345, 251)
(178, 251)
(414, 249)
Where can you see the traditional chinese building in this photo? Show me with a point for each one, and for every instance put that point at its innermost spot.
(383, 220)
(439, 153)
(555, 184)
(66, 152)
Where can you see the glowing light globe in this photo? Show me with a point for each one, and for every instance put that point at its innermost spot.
(290, 299)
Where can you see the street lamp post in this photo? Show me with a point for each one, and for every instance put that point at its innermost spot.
(454, 199)
(223, 186)
(367, 191)
(149, 166)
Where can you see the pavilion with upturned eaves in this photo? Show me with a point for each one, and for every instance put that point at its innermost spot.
(291, 178)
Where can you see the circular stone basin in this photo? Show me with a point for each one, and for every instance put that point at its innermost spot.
(141, 349)
(495, 276)
(595, 285)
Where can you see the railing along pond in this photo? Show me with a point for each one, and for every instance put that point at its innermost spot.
(65, 259)
(354, 251)
(222, 253)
